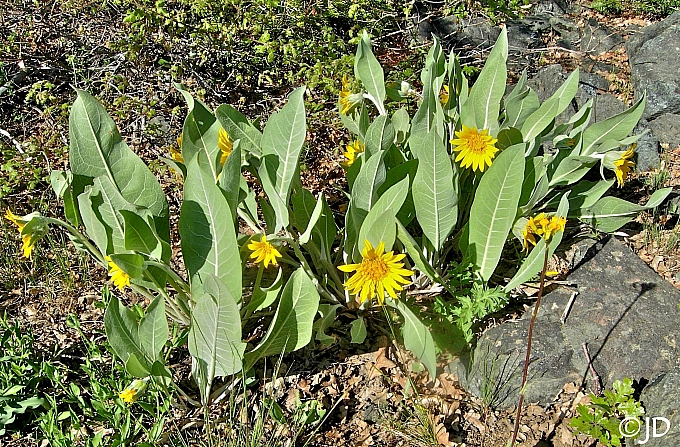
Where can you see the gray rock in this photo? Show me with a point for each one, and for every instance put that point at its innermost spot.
(598, 39)
(654, 56)
(550, 78)
(457, 33)
(568, 31)
(547, 80)
(661, 398)
(667, 129)
(606, 106)
(624, 311)
(648, 148)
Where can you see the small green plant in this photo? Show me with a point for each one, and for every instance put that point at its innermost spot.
(102, 399)
(603, 418)
(21, 374)
(471, 306)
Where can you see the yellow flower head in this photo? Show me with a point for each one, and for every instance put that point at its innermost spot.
(348, 100)
(352, 151)
(28, 240)
(542, 226)
(176, 155)
(474, 148)
(133, 392)
(444, 96)
(225, 144)
(179, 142)
(624, 165)
(378, 273)
(264, 251)
(119, 278)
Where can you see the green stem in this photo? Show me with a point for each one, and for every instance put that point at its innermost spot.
(249, 221)
(305, 265)
(529, 339)
(178, 283)
(328, 266)
(258, 281)
(81, 237)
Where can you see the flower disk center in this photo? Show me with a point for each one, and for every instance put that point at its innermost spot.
(478, 143)
(375, 268)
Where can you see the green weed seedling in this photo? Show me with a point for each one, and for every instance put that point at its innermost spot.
(602, 418)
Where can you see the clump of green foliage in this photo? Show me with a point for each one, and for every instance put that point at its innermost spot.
(268, 41)
(655, 8)
(473, 301)
(604, 417)
(20, 375)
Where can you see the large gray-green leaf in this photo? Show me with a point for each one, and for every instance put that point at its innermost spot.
(207, 231)
(267, 174)
(215, 333)
(153, 329)
(482, 107)
(200, 133)
(97, 149)
(494, 208)
(537, 122)
(430, 114)
(139, 236)
(323, 230)
(230, 179)
(433, 194)
(358, 330)
(519, 107)
(112, 202)
(615, 128)
(370, 178)
(571, 170)
(89, 203)
(417, 337)
(327, 317)
(380, 135)
(283, 137)
(239, 128)
(584, 194)
(291, 328)
(379, 226)
(416, 253)
(62, 182)
(122, 332)
(611, 213)
(368, 70)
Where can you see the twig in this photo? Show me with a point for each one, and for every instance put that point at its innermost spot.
(597, 384)
(4, 133)
(568, 307)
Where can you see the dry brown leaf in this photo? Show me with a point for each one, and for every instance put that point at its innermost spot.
(475, 420)
(571, 388)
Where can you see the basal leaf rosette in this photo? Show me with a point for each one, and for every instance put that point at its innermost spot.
(378, 272)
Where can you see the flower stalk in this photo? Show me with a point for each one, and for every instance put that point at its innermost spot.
(529, 340)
